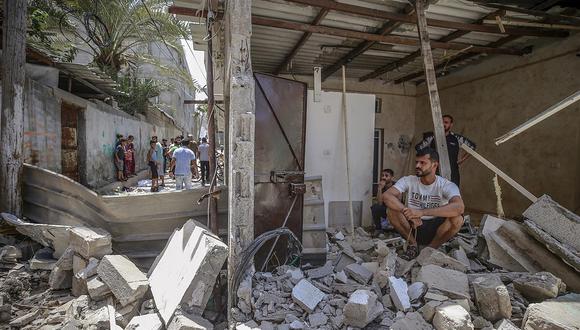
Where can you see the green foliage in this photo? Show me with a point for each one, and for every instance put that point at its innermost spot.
(42, 18)
(138, 92)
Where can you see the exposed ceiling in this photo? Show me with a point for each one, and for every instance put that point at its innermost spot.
(398, 61)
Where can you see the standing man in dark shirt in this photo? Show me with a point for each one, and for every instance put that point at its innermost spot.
(454, 142)
(379, 209)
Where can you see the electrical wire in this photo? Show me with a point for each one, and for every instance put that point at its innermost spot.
(247, 255)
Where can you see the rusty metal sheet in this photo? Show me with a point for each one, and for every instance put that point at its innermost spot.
(279, 158)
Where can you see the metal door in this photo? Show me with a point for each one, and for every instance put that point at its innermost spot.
(279, 159)
(69, 147)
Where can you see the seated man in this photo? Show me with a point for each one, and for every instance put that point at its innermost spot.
(434, 205)
(379, 210)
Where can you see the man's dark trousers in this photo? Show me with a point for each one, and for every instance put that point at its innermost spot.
(379, 211)
(204, 171)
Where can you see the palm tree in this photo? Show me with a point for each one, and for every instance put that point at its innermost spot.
(113, 31)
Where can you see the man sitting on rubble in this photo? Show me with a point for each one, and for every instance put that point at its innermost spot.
(434, 211)
(379, 210)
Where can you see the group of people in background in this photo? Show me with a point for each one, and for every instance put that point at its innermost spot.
(124, 157)
(179, 158)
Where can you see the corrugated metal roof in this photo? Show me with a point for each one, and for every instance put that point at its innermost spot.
(91, 75)
(271, 45)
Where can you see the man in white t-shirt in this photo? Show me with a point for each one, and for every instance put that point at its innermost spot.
(434, 205)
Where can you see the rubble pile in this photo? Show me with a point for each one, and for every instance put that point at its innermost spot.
(365, 284)
(86, 286)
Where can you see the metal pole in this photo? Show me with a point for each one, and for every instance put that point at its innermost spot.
(212, 202)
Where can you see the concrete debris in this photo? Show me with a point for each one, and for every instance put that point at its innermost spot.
(42, 260)
(318, 319)
(399, 296)
(505, 325)
(359, 273)
(567, 253)
(125, 280)
(460, 255)
(430, 256)
(559, 313)
(556, 220)
(362, 308)
(452, 316)
(412, 320)
(492, 297)
(449, 281)
(90, 242)
(184, 321)
(55, 236)
(428, 310)
(341, 277)
(62, 273)
(416, 291)
(145, 322)
(97, 290)
(339, 236)
(307, 295)
(320, 272)
(539, 286)
(187, 269)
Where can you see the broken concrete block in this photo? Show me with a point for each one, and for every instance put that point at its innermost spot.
(42, 260)
(358, 273)
(451, 282)
(389, 263)
(320, 272)
(55, 236)
(452, 316)
(147, 321)
(339, 236)
(416, 291)
(25, 319)
(430, 256)
(373, 267)
(381, 249)
(125, 280)
(307, 295)
(559, 313)
(361, 245)
(79, 286)
(460, 255)
(184, 321)
(568, 254)
(411, 320)
(62, 273)
(538, 287)
(97, 289)
(435, 295)
(398, 292)
(295, 275)
(556, 220)
(428, 310)
(492, 297)
(341, 277)
(387, 302)
(362, 308)
(343, 260)
(317, 320)
(90, 242)
(79, 263)
(479, 323)
(505, 325)
(102, 318)
(186, 269)
(381, 278)
(296, 325)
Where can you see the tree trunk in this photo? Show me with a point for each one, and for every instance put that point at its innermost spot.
(12, 117)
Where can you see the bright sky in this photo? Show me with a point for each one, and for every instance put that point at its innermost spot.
(196, 63)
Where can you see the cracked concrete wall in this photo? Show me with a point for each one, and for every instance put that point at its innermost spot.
(491, 98)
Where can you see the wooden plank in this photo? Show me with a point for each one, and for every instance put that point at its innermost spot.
(410, 19)
(409, 58)
(390, 39)
(539, 117)
(440, 140)
(501, 174)
(321, 15)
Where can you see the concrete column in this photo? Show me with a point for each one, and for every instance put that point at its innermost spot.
(241, 135)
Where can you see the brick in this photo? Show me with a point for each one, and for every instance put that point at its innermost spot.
(452, 316)
(398, 292)
(307, 295)
(359, 273)
(125, 280)
(452, 283)
(90, 242)
(362, 308)
(186, 270)
(492, 297)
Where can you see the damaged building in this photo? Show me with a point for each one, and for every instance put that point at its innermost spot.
(312, 100)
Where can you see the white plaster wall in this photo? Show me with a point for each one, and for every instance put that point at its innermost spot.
(325, 148)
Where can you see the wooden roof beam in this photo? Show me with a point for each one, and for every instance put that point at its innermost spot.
(321, 15)
(395, 40)
(409, 58)
(387, 28)
(412, 19)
